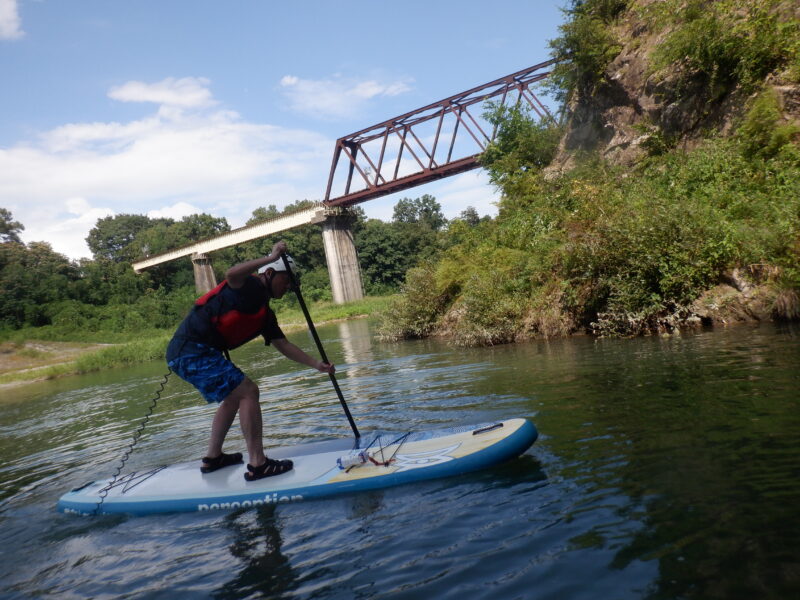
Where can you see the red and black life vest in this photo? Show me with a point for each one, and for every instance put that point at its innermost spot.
(234, 326)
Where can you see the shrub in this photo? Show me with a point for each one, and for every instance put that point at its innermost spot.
(416, 312)
(626, 252)
(521, 143)
(728, 43)
(763, 132)
(585, 48)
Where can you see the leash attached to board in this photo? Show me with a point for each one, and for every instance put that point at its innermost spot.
(139, 430)
(312, 329)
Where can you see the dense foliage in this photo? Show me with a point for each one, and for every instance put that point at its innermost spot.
(726, 43)
(610, 251)
(717, 45)
(586, 45)
(103, 299)
(9, 229)
(622, 251)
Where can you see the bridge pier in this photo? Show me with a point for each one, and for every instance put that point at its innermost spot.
(204, 279)
(340, 253)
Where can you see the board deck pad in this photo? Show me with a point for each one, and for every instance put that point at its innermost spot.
(415, 457)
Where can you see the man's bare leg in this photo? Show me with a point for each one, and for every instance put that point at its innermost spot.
(244, 400)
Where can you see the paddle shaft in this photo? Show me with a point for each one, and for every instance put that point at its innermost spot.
(313, 330)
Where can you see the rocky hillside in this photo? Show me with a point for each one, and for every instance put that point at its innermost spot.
(680, 70)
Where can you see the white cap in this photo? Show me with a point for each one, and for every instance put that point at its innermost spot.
(279, 266)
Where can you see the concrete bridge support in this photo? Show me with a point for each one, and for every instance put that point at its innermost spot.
(340, 253)
(204, 279)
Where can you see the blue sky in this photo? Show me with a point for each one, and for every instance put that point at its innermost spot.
(168, 108)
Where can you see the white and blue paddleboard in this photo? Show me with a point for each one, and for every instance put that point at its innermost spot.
(320, 470)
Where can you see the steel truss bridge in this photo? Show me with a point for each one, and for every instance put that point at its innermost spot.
(432, 142)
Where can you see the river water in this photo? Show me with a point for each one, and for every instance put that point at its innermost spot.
(665, 468)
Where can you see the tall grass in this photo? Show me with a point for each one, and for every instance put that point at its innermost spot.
(131, 353)
(291, 316)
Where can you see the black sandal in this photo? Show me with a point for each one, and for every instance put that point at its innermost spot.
(268, 469)
(223, 460)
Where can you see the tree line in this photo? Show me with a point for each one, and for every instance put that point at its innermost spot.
(42, 287)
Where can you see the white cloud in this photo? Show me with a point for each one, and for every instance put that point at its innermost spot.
(188, 92)
(467, 189)
(182, 159)
(10, 23)
(177, 161)
(177, 211)
(336, 97)
(65, 225)
(77, 206)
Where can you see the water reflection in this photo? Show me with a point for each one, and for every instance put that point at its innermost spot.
(365, 506)
(356, 340)
(694, 455)
(257, 544)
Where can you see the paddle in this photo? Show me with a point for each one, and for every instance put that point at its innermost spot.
(312, 329)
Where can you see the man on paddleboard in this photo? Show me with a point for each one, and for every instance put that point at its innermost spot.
(233, 313)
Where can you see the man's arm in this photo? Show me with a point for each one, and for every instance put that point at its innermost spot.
(289, 350)
(238, 274)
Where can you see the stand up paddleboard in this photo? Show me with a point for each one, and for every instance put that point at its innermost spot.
(320, 470)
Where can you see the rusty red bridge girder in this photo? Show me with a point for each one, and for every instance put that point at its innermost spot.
(438, 140)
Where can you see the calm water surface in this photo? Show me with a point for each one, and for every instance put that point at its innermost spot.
(666, 468)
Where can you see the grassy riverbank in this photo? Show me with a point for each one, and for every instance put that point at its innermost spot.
(614, 251)
(37, 353)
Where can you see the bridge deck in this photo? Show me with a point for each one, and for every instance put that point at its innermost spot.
(237, 236)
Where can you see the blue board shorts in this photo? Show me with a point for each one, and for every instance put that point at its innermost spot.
(208, 370)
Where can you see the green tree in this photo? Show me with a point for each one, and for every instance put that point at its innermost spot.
(262, 214)
(112, 237)
(94, 283)
(162, 235)
(157, 239)
(154, 239)
(585, 48)
(522, 142)
(387, 250)
(383, 256)
(9, 229)
(32, 277)
(424, 210)
(470, 216)
(194, 228)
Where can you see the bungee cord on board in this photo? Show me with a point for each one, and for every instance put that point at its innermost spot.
(384, 462)
(361, 456)
(138, 434)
